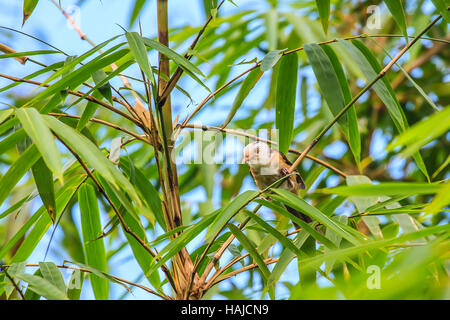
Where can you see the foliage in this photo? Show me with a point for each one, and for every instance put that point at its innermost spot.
(362, 113)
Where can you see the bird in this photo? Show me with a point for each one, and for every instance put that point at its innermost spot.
(268, 165)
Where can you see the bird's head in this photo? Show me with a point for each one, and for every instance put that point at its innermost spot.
(257, 154)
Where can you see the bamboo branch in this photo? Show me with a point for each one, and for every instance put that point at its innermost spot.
(161, 295)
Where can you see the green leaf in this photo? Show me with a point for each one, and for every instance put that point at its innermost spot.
(305, 226)
(285, 258)
(271, 20)
(246, 243)
(98, 273)
(173, 55)
(270, 60)
(105, 89)
(387, 189)
(16, 171)
(246, 86)
(137, 46)
(422, 132)
(352, 135)
(286, 242)
(43, 178)
(229, 211)
(51, 273)
(323, 6)
(285, 100)
(137, 8)
(396, 9)
(4, 114)
(28, 7)
(89, 152)
(30, 294)
(371, 245)
(334, 238)
(370, 67)
(41, 222)
(94, 248)
(35, 126)
(74, 285)
(147, 190)
(301, 205)
(442, 6)
(43, 287)
(182, 240)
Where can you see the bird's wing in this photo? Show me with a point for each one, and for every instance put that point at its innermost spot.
(298, 178)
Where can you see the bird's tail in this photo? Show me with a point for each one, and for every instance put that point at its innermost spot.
(300, 215)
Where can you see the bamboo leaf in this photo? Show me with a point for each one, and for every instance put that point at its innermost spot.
(265, 273)
(387, 189)
(246, 86)
(41, 222)
(92, 155)
(229, 211)
(28, 7)
(270, 60)
(285, 100)
(137, 46)
(422, 132)
(16, 171)
(94, 248)
(43, 178)
(51, 273)
(99, 78)
(396, 9)
(370, 68)
(35, 126)
(442, 6)
(323, 6)
(302, 206)
(43, 287)
(286, 242)
(175, 56)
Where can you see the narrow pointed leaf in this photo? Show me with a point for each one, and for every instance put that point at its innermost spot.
(43, 178)
(35, 126)
(139, 51)
(43, 287)
(28, 7)
(16, 171)
(94, 248)
(285, 100)
(51, 273)
(245, 242)
(246, 86)
(323, 6)
(396, 9)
